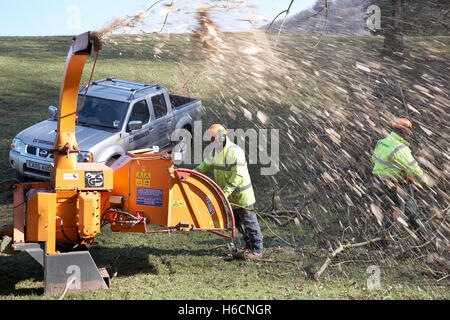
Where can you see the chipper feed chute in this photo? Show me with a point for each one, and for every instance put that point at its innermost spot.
(140, 189)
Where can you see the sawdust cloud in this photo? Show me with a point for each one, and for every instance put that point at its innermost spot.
(334, 104)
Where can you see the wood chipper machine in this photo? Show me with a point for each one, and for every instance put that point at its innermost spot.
(55, 221)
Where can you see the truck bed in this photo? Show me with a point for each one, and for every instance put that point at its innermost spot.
(180, 101)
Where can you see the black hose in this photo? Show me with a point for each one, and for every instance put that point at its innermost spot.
(75, 243)
(65, 236)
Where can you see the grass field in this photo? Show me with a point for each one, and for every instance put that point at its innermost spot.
(197, 266)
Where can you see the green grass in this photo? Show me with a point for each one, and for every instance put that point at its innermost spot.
(196, 265)
(193, 266)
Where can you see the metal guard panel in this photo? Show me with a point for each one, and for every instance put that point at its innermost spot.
(205, 201)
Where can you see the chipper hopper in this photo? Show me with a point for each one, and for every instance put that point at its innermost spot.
(56, 221)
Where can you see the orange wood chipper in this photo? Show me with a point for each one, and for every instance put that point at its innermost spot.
(55, 221)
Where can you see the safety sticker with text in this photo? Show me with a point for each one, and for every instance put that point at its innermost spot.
(143, 179)
(211, 210)
(179, 204)
(149, 197)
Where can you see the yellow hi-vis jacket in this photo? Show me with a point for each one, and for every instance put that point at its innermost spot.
(231, 174)
(393, 160)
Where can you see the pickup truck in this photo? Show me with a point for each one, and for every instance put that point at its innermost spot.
(116, 116)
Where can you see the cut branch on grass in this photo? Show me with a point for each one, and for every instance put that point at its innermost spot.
(270, 229)
(275, 219)
(338, 264)
(444, 277)
(339, 250)
(300, 214)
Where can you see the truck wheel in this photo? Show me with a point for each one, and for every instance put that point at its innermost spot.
(111, 161)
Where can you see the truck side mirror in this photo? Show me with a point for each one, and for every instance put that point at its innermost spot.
(134, 125)
(52, 110)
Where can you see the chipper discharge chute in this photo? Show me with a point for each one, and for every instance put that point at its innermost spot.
(141, 189)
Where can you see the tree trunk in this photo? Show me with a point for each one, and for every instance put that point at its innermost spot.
(393, 44)
(393, 35)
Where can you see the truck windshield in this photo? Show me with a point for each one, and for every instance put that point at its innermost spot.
(101, 112)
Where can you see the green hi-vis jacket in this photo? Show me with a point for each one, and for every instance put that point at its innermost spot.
(393, 160)
(231, 174)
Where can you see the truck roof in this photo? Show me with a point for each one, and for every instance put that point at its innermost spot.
(119, 90)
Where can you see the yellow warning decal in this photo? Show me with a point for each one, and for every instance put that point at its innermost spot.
(179, 204)
(143, 178)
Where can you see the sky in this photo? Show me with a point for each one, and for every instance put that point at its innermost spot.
(71, 17)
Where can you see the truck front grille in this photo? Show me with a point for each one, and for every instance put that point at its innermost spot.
(31, 150)
(39, 152)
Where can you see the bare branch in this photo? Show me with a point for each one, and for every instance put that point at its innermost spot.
(324, 26)
(167, 16)
(285, 11)
(339, 250)
(276, 235)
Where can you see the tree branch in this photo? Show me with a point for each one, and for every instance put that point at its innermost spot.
(339, 250)
(167, 16)
(324, 26)
(285, 11)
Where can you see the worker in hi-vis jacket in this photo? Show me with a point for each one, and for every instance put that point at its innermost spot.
(227, 160)
(395, 168)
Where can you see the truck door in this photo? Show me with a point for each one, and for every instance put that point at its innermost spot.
(139, 139)
(163, 122)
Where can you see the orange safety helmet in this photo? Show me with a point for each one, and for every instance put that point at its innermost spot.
(216, 128)
(403, 124)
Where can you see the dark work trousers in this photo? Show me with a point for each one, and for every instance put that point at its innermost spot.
(246, 222)
(394, 200)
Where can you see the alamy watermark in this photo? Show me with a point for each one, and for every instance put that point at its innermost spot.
(73, 21)
(374, 20)
(74, 280)
(373, 281)
(263, 146)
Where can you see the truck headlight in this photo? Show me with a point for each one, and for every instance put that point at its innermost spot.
(85, 156)
(17, 145)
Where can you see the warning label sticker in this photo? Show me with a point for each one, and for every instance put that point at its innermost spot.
(143, 178)
(212, 210)
(149, 197)
(179, 204)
